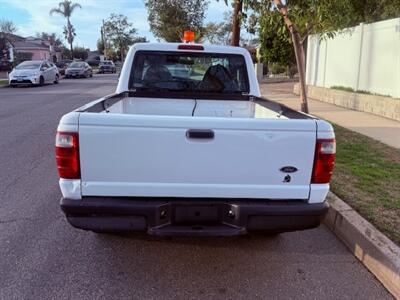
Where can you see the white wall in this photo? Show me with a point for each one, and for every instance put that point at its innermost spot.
(366, 57)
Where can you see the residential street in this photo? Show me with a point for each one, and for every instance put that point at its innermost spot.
(43, 257)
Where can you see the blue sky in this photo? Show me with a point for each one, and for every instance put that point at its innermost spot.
(32, 16)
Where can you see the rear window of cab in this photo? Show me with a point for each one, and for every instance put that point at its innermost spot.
(189, 71)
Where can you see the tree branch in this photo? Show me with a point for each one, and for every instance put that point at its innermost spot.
(309, 30)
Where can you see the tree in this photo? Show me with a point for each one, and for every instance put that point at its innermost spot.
(239, 16)
(120, 34)
(372, 10)
(21, 57)
(236, 21)
(7, 30)
(100, 46)
(276, 45)
(297, 20)
(65, 53)
(170, 18)
(219, 33)
(7, 27)
(80, 53)
(53, 39)
(65, 9)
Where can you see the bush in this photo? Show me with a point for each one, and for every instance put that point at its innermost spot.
(342, 88)
(80, 53)
(22, 56)
(277, 69)
(292, 71)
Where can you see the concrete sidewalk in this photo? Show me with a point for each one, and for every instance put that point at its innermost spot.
(385, 130)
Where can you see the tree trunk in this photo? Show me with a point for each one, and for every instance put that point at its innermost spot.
(304, 44)
(299, 52)
(69, 32)
(72, 51)
(236, 20)
(104, 39)
(121, 50)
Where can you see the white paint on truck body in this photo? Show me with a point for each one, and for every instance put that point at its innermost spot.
(138, 150)
(150, 155)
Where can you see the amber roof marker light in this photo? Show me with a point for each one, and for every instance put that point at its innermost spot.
(188, 39)
(188, 36)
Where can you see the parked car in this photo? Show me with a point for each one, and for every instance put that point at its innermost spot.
(107, 66)
(78, 69)
(35, 72)
(196, 153)
(62, 65)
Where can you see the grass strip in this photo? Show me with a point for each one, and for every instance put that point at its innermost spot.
(367, 177)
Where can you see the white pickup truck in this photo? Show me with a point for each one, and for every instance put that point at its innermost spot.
(187, 146)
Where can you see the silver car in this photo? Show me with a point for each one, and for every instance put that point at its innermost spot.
(35, 72)
(78, 69)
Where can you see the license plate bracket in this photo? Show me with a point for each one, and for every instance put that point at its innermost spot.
(197, 214)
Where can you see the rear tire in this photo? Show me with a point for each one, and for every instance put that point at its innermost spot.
(56, 79)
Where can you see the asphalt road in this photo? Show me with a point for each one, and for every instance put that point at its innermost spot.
(42, 257)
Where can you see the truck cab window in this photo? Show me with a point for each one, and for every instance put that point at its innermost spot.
(194, 72)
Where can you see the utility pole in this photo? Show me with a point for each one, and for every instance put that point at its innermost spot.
(298, 51)
(104, 39)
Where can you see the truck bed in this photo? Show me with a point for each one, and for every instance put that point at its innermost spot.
(228, 148)
(247, 107)
(190, 107)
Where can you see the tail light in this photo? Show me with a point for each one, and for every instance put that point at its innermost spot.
(190, 47)
(324, 160)
(67, 155)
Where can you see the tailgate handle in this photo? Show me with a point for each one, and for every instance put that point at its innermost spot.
(200, 134)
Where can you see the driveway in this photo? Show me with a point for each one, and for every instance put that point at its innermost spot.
(42, 257)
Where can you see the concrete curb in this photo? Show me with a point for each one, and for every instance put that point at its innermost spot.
(379, 254)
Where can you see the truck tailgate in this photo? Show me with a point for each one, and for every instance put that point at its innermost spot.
(155, 156)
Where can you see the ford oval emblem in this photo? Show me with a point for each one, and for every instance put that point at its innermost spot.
(288, 169)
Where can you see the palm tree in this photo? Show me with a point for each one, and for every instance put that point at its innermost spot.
(65, 9)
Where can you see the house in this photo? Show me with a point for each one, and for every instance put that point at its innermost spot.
(40, 48)
(29, 48)
(39, 51)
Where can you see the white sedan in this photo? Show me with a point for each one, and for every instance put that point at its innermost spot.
(34, 72)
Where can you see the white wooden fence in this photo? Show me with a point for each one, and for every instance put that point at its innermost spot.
(366, 58)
